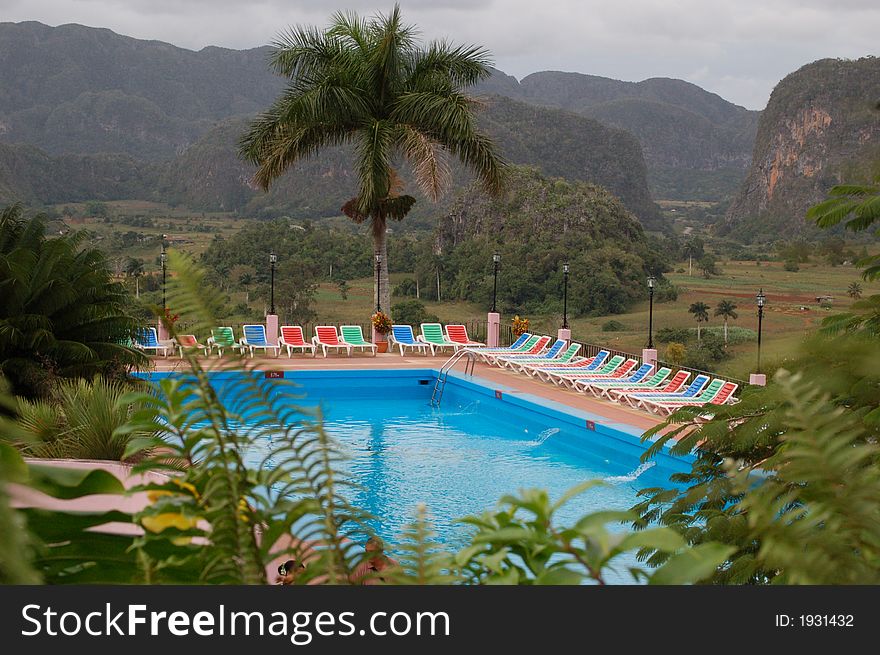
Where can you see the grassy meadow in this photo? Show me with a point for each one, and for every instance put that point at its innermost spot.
(791, 311)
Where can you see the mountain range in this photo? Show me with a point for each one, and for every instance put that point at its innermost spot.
(86, 113)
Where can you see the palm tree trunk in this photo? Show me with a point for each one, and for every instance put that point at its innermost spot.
(725, 331)
(380, 245)
(690, 265)
(698, 332)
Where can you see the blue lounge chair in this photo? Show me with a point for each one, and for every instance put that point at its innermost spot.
(148, 340)
(403, 337)
(255, 337)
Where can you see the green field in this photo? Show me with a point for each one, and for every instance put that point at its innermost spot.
(784, 325)
(791, 312)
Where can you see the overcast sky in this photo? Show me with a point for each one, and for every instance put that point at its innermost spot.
(737, 48)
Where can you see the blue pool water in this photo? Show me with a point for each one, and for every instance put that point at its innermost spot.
(483, 442)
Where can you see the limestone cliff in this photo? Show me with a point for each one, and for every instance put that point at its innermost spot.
(820, 127)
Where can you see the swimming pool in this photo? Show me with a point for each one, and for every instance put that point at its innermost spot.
(484, 441)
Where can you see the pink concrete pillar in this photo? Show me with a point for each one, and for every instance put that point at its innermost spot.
(564, 334)
(649, 356)
(758, 379)
(494, 329)
(272, 328)
(162, 331)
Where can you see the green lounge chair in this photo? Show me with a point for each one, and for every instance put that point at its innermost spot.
(432, 334)
(222, 337)
(353, 335)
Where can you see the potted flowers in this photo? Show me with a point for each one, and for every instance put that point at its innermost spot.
(381, 327)
(520, 326)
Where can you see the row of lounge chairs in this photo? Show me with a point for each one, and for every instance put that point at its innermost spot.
(349, 338)
(616, 378)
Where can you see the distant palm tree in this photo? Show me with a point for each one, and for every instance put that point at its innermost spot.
(854, 290)
(700, 310)
(370, 84)
(726, 310)
(692, 248)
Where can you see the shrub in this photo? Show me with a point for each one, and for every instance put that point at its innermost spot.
(666, 292)
(407, 287)
(412, 312)
(676, 353)
(613, 326)
(677, 335)
(791, 266)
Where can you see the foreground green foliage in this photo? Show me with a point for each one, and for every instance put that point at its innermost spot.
(811, 437)
(61, 314)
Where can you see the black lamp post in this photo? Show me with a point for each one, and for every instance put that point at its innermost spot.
(651, 281)
(273, 259)
(496, 262)
(761, 299)
(163, 258)
(378, 282)
(565, 270)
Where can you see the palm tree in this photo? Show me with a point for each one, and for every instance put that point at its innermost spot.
(726, 309)
(692, 248)
(854, 290)
(61, 313)
(700, 310)
(370, 84)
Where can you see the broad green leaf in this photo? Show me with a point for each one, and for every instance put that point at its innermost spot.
(67, 483)
(692, 565)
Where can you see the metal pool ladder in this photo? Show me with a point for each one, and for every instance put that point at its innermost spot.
(440, 384)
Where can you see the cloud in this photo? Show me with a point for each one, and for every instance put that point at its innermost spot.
(738, 49)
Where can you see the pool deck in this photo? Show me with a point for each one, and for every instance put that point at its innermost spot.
(613, 413)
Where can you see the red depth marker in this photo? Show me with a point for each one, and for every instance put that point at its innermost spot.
(497, 394)
(274, 375)
(591, 425)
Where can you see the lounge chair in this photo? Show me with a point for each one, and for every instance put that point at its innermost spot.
(557, 375)
(432, 334)
(516, 346)
(603, 389)
(524, 365)
(586, 384)
(458, 334)
(255, 337)
(724, 396)
(327, 337)
(618, 373)
(509, 361)
(403, 337)
(537, 347)
(222, 337)
(636, 399)
(543, 372)
(148, 340)
(353, 335)
(292, 338)
(675, 384)
(669, 405)
(188, 341)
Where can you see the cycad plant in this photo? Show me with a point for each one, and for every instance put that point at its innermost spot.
(61, 313)
(371, 84)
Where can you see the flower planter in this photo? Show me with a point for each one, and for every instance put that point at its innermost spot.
(383, 346)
